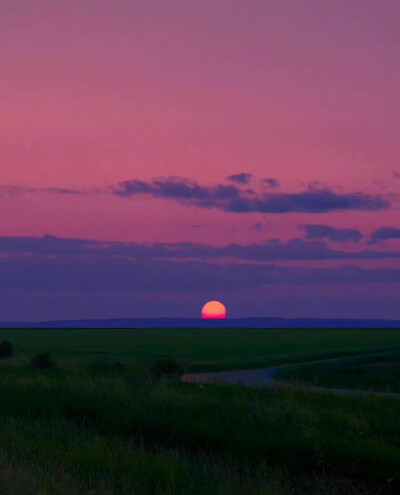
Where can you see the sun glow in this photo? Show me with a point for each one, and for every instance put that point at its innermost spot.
(213, 309)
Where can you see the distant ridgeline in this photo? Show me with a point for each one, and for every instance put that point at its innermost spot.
(210, 323)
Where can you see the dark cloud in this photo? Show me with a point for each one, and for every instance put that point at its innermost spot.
(396, 175)
(320, 201)
(180, 189)
(120, 276)
(336, 235)
(232, 199)
(270, 182)
(384, 234)
(273, 250)
(240, 178)
(64, 277)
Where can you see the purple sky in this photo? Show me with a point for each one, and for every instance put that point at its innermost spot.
(155, 155)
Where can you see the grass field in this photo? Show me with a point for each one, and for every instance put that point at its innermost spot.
(84, 428)
(121, 433)
(378, 372)
(208, 349)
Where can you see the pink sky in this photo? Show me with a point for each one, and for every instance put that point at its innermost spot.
(95, 92)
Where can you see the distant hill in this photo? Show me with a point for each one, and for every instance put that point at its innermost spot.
(199, 323)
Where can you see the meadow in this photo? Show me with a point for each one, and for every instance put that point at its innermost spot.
(376, 372)
(98, 423)
(202, 349)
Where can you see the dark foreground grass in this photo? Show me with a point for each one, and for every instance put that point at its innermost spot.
(88, 430)
(50, 456)
(378, 372)
(202, 349)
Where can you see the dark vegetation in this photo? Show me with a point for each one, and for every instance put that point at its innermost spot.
(135, 435)
(43, 361)
(6, 349)
(167, 368)
(107, 368)
(379, 372)
(203, 349)
(112, 426)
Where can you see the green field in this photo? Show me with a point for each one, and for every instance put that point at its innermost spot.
(378, 372)
(202, 349)
(86, 427)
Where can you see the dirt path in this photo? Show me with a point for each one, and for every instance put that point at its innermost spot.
(266, 377)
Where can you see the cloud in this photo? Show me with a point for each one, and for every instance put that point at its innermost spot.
(231, 199)
(332, 234)
(272, 250)
(121, 276)
(62, 190)
(318, 201)
(180, 189)
(270, 182)
(63, 277)
(384, 234)
(240, 178)
(396, 175)
(14, 190)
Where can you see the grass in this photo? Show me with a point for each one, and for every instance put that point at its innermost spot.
(96, 424)
(121, 433)
(57, 456)
(202, 349)
(378, 372)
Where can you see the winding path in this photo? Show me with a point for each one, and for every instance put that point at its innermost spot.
(266, 377)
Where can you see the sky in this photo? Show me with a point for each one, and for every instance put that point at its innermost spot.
(156, 155)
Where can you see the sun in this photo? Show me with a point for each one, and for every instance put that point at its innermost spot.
(213, 309)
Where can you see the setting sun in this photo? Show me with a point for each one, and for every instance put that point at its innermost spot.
(213, 309)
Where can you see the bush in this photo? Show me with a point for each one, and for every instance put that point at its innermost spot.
(43, 361)
(169, 368)
(6, 349)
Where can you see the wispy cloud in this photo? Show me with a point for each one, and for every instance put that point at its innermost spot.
(272, 250)
(316, 232)
(270, 182)
(15, 190)
(240, 178)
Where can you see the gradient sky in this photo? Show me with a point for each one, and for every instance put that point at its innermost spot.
(125, 131)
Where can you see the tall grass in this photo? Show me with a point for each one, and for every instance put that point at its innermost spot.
(92, 422)
(43, 456)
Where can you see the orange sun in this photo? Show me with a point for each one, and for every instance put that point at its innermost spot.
(213, 309)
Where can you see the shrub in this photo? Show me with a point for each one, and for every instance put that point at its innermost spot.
(169, 368)
(43, 361)
(6, 349)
